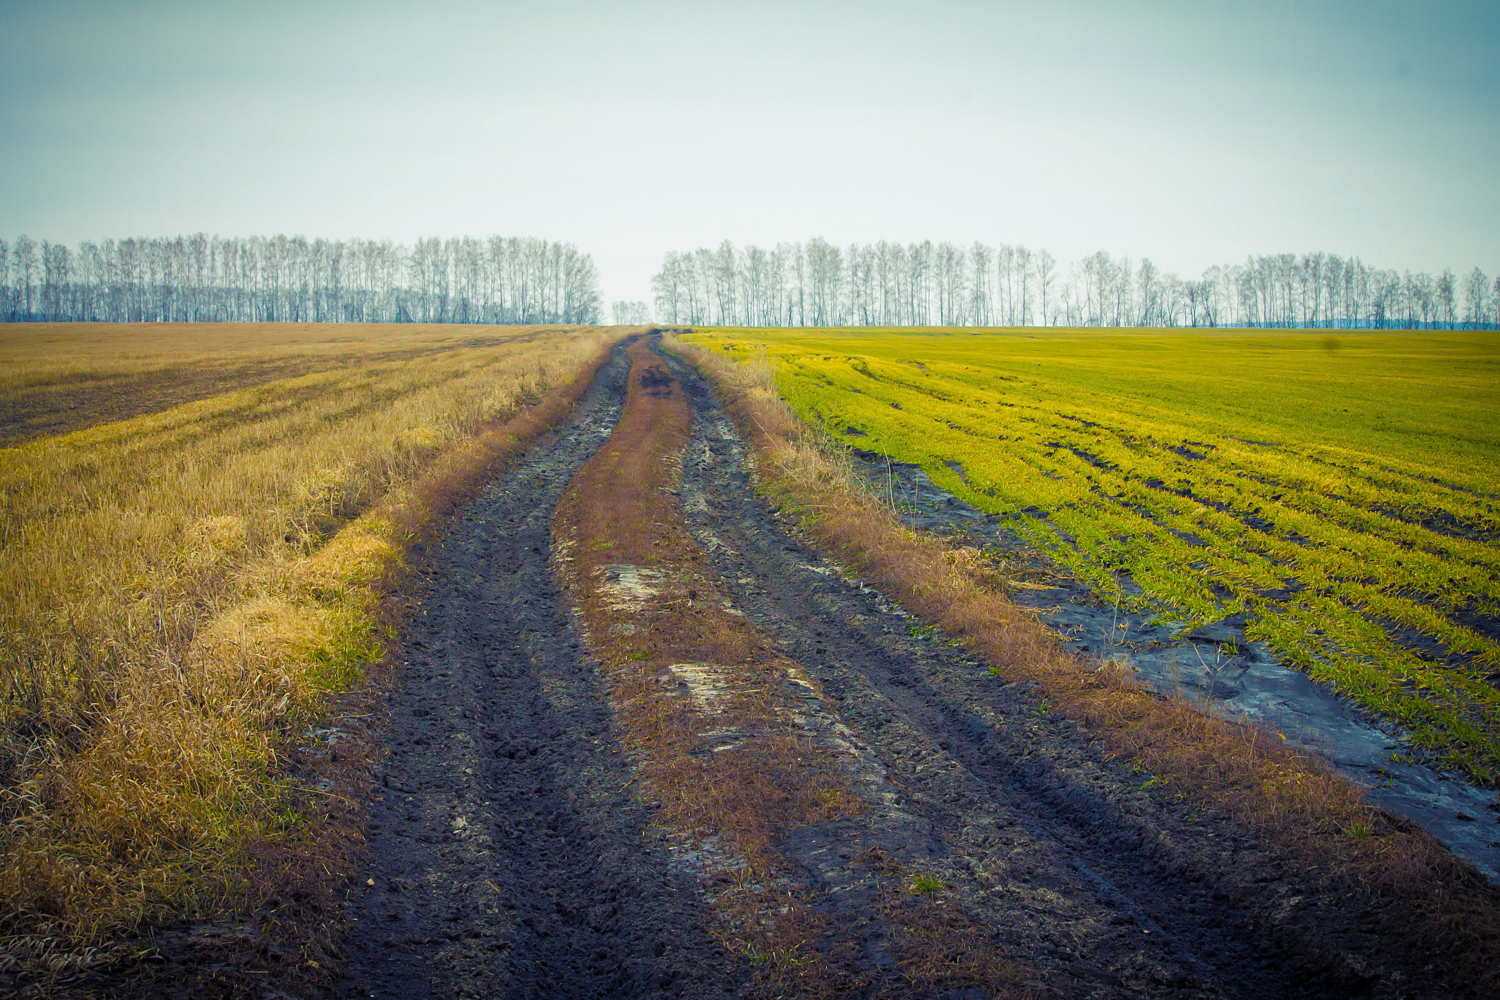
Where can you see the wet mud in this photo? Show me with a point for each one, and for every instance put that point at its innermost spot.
(506, 858)
(1216, 667)
(1102, 887)
(509, 858)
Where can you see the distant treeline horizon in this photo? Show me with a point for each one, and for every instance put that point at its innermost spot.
(514, 280)
(926, 284)
(200, 279)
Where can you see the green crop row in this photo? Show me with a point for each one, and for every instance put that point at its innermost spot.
(1342, 492)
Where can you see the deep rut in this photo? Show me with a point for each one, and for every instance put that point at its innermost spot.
(506, 857)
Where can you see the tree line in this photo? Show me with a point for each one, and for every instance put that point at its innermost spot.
(922, 284)
(199, 278)
(623, 313)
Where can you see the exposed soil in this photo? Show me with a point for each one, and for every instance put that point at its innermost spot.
(506, 857)
(1217, 667)
(81, 400)
(511, 856)
(743, 751)
(47, 408)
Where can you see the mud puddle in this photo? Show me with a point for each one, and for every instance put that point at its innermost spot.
(507, 857)
(1217, 667)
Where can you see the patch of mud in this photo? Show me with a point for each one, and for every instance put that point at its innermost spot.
(1078, 868)
(507, 857)
(1217, 667)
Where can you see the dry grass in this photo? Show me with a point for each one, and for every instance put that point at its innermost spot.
(1293, 800)
(61, 377)
(182, 592)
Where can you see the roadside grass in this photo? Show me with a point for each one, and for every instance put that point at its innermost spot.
(183, 594)
(1294, 801)
(1345, 499)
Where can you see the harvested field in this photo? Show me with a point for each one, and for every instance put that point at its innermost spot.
(60, 377)
(185, 597)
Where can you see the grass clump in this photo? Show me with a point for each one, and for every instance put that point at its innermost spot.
(926, 885)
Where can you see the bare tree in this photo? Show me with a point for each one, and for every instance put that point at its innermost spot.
(1046, 275)
(24, 265)
(1476, 305)
(1023, 285)
(1445, 299)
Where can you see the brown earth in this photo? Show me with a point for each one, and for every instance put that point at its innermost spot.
(734, 743)
(688, 756)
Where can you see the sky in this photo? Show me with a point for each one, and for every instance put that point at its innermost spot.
(1192, 133)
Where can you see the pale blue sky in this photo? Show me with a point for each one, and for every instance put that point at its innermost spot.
(1191, 133)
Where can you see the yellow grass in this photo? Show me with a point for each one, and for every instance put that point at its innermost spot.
(181, 591)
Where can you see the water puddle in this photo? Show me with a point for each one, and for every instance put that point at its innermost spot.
(1217, 667)
(706, 684)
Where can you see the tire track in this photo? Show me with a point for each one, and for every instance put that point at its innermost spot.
(1106, 888)
(505, 858)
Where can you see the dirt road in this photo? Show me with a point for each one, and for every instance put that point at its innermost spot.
(517, 850)
(507, 859)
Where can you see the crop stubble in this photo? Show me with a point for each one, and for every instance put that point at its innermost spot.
(184, 594)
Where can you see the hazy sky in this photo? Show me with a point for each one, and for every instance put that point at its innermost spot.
(1190, 133)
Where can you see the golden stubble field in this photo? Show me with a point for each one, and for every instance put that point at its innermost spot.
(197, 527)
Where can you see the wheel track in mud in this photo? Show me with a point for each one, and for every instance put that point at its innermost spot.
(1107, 889)
(508, 860)
(505, 855)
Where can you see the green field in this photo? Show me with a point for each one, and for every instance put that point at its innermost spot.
(1342, 491)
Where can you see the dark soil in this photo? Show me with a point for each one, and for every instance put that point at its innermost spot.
(506, 858)
(1103, 885)
(58, 407)
(78, 401)
(1217, 667)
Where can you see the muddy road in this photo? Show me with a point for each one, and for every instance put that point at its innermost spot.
(526, 842)
(506, 858)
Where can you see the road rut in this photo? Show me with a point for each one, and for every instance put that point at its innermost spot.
(510, 856)
(506, 858)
